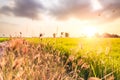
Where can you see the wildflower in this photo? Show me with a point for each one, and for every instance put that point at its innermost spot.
(18, 62)
(107, 50)
(25, 49)
(1, 78)
(80, 46)
(81, 78)
(71, 57)
(1, 50)
(15, 43)
(94, 78)
(21, 71)
(80, 62)
(2, 61)
(111, 78)
(102, 62)
(99, 51)
(85, 66)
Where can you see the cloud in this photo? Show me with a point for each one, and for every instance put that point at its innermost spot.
(67, 8)
(23, 8)
(83, 9)
(64, 9)
(5, 10)
(111, 9)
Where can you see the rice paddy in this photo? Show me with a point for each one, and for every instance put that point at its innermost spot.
(77, 58)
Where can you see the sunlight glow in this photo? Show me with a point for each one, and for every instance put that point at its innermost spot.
(96, 5)
(89, 31)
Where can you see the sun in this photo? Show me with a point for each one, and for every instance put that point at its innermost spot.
(89, 31)
(96, 5)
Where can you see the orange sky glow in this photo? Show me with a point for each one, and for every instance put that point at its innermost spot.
(77, 17)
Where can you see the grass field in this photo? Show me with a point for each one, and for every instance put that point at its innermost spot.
(102, 54)
(109, 46)
(3, 39)
(88, 57)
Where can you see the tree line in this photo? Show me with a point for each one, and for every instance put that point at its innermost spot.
(104, 35)
(62, 34)
(107, 35)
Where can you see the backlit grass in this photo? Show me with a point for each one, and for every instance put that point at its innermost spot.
(61, 59)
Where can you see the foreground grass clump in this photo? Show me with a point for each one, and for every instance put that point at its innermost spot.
(28, 61)
(100, 55)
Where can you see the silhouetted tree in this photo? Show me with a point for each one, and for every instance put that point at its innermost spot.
(54, 35)
(62, 34)
(20, 34)
(66, 34)
(115, 36)
(40, 35)
(3, 35)
(107, 35)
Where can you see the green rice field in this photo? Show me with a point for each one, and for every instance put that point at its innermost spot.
(93, 57)
(102, 54)
(108, 46)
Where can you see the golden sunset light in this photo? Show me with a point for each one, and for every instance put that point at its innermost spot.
(90, 31)
(96, 5)
(59, 39)
(44, 16)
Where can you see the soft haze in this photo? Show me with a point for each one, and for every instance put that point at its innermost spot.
(32, 17)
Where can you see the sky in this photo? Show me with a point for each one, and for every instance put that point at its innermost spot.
(77, 17)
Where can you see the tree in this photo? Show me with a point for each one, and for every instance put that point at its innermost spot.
(40, 35)
(66, 34)
(20, 34)
(62, 34)
(115, 36)
(54, 35)
(107, 35)
(3, 35)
